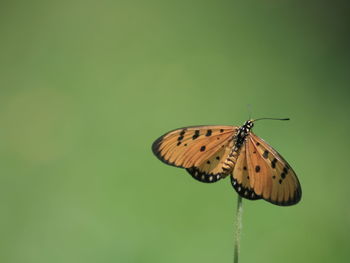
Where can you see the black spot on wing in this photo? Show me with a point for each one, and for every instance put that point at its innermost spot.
(273, 163)
(266, 154)
(196, 134)
(257, 168)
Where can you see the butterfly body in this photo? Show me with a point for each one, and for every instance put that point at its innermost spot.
(239, 139)
(211, 153)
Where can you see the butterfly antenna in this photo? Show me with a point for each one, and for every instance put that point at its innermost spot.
(249, 107)
(276, 119)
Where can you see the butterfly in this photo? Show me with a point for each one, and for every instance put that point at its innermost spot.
(211, 153)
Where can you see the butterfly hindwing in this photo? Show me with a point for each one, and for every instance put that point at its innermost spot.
(241, 180)
(210, 171)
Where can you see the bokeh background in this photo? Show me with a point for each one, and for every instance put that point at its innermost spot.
(87, 86)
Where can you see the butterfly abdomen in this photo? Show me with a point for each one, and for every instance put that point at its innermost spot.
(231, 160)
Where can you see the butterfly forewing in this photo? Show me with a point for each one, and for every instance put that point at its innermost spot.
(277, 182)
(192, 146)
(259, 171)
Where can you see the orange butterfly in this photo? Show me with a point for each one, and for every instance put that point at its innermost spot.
(210, 153)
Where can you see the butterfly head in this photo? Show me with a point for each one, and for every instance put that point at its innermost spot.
(248, 125)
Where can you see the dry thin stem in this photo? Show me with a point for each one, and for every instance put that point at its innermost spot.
(238, 229)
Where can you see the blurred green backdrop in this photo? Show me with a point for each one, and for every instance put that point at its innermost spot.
(86, 86)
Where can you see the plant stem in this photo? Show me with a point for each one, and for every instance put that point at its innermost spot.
(238, 226)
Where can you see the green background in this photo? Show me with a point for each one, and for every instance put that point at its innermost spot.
(87, 86)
